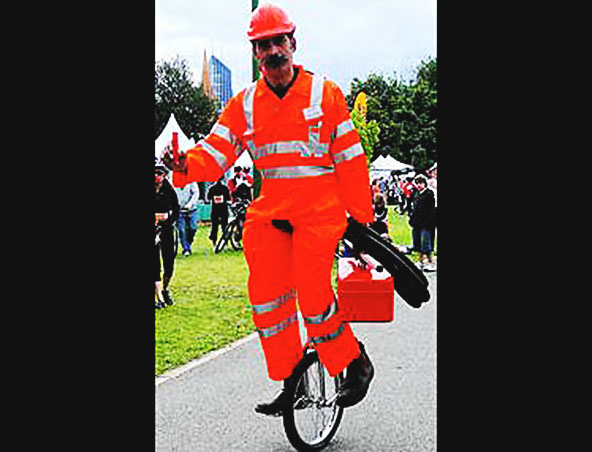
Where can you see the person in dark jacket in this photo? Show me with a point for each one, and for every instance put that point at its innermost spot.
(166, 212)
(421, 221)
(380, 224)
(219, 196)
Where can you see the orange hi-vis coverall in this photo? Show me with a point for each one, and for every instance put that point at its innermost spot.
(313, 170)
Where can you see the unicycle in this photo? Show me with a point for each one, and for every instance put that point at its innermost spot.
(311, 416)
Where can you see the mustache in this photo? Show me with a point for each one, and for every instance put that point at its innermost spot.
(274, 61)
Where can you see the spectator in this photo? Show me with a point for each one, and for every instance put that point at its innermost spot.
(380, 224)
(433, 185)
(409, 191)
(421, 221)
(234, 181)
(243, 193)
(382, 184)
(188, 196)
(166, 213)
(219, 196)
(375, 188)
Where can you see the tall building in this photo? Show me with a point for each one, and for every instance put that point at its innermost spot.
(206, 84)
(221, 80)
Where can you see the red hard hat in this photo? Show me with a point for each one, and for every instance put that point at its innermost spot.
(269, 20)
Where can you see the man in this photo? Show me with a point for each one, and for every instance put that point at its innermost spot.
(421, 220)
(297, 128)
(219, 196)
(165, 214)
(188, 216)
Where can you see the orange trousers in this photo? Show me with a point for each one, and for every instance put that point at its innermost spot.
(293, 271)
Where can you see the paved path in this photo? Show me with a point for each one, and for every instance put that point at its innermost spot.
(208, 405)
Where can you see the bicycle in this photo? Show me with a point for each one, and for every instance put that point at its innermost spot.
(233, 232)
(311, 416)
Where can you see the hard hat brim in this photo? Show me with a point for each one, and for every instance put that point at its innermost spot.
(253, 36)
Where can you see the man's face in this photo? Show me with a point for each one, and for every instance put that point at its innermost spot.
(274, 52)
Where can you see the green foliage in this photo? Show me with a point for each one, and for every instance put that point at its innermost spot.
(368, 131)
(405, 114)
(175, 93)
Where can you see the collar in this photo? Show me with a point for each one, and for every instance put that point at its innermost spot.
(298, 87)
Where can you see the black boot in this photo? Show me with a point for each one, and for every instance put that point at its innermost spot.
(167, 297)
(276, 406)
(357, 379)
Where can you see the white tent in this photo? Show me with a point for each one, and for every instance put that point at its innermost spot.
(388, 164)
(166, 137)
(244, 160)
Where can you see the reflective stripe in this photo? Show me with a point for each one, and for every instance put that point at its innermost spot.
(302, 148)
(316, 98)
(281, 147)
(220, 158)
(349, 153)
(224, 133)
(343, 128)
(274, 304)
(329, 312)
(271, 331)
(294, 172)
(327, 337)
(248, 106)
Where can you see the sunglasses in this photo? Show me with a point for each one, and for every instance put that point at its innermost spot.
(265, 44)
(159, 173)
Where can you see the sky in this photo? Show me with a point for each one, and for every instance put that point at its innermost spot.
(341, 39)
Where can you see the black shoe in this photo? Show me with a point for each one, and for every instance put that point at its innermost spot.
(159, 305)
(167, 298)
(273, 408)
(357, 380)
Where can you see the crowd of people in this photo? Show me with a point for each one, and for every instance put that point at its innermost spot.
(414, 196)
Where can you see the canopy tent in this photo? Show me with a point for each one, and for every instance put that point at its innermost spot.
(166, 137)
(385, 165)
(244, 161)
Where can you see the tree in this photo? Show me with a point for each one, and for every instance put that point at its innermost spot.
(368, 131)
(175, 93)
(405, 114)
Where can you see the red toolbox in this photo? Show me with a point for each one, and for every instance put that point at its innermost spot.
(364, 294)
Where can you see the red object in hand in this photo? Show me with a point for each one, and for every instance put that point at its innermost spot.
(364, 294)
(175, 147)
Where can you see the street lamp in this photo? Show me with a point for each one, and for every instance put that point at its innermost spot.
(254, 4)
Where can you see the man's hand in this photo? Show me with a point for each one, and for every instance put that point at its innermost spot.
(179, 166)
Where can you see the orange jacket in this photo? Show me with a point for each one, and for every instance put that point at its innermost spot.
(305, 146)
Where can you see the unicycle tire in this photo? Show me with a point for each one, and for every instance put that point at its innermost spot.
(311, 416)
(410, 282)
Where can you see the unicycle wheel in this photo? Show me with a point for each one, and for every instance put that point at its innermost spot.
(312, 416)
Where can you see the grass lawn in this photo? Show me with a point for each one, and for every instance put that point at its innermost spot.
(211, 307)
